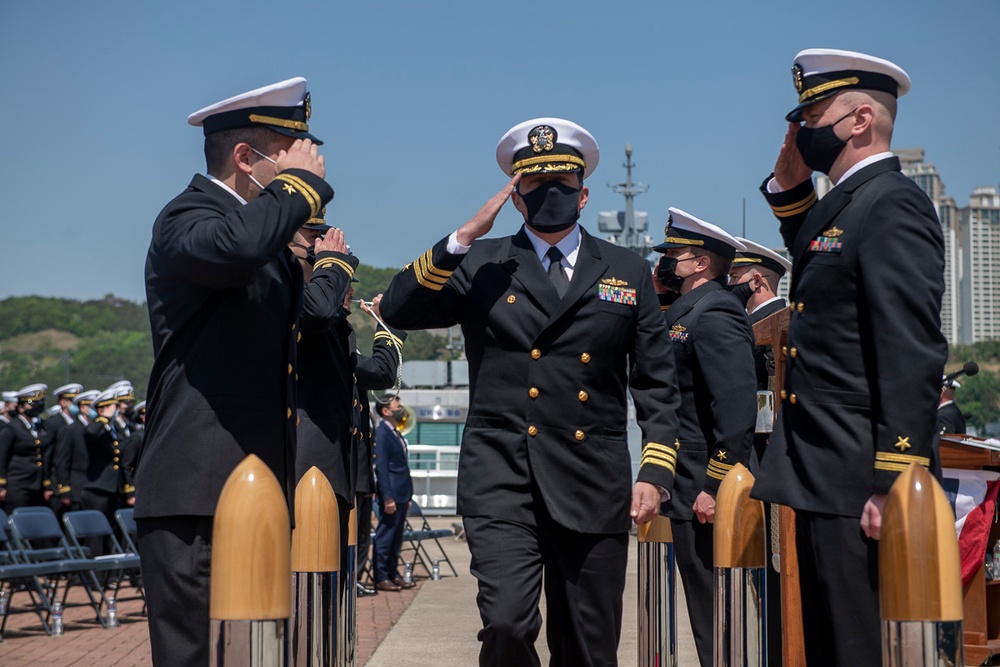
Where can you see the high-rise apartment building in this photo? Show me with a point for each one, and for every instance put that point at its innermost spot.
(980, 302)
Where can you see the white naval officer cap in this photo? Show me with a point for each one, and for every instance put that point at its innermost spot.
(86, 397)
(10, 397)
(284, 107)
(683, 229)
(54, 410)
(821, 73)
(105, 398)
(33, 392)
(68, 391)
(758, 255)
(547, 146)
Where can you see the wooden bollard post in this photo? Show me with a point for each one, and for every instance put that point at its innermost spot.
(315, 570)
(348, 621)
(250, 593)
(920, 581)
(740, 573)
(657, 598)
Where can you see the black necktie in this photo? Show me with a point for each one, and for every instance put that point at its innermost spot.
(557, 274)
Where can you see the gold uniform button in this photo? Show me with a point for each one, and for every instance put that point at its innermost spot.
(536, 353)
(793, 398)
(293, 326)
(39, 464)
(533, 392)
(532, 431)
(288, 413)
(298, 420)
(784, 349)
(784, 394)
(800, 307)
(579, 435)
(585, 358)
(116, 459)
(355, 402)
(791, 305)
(38, 442)
(116, 467)
(290, 369)
(583, 396)
(298, 337)
(511, 299)
(355, 432)
(795, 352)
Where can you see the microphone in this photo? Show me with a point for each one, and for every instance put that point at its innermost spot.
(970, 368)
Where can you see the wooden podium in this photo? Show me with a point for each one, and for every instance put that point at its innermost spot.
(981, 598)
(773, 331)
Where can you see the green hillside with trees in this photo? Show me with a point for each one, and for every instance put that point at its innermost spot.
(98, 342)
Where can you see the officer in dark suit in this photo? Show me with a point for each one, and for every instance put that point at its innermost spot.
(70, 453)
(61, 415)
(949, 416)
(393, 491)
(557, 326)
(372, 373)
(713, 350)
(24, 478)
(103, 489)
(326, 375)
(130, 451)
(865, 349)
(224, 296)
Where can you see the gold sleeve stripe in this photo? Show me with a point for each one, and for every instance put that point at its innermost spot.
(428, 275)
(902, 458)
(720, 466)
(311, 196)
(386, 334)
(3, 480)
(64, 489)
(795, 209)
(427, 260)
(894, 467)
(715, 474)
(670, 460)
(650, 459)
(661, 447)
(334, 261)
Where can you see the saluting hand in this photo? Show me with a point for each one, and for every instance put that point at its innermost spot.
(303, 154)
(334, 241)
(790, 169)
(482, 222)
(645, 502)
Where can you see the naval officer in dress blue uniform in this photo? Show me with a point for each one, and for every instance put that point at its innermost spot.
(865, 348)
(558, 327)
(224, 296)
(713, 350)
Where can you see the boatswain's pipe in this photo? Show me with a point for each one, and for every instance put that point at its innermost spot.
(740, 573)
(657, 599)
(250, 592)
(315, 572)
(920, 581)
(348, 618)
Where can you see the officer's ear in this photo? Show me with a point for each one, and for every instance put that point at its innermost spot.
(241, 157)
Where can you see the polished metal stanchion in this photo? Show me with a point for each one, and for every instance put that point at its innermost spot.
(740, 573)
(315, 572)
(657, 600)
(250, 592)
(347, 624)
(920, 581)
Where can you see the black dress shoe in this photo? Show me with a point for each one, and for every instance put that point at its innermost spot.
(402, 584)
(364, 591)
(387, 586)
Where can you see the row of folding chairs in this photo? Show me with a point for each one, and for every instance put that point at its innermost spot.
(415, 535)
(37, 555)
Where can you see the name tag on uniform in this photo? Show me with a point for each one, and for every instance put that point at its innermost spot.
(679, 333)
(828, 242)
(616, 291)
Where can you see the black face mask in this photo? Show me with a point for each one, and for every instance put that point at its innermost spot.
(552, 206)
(665, 274)
(742, 291)
(820, 146)
(35, 410)
(397, 415)
(311, 255)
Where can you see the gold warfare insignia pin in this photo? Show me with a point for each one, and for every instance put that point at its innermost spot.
(797, 77)
(542, 138)
(615, 282)
(903, 444)
(308, 105)
(833, 232)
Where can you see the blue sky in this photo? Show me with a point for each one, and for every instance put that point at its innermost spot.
(411, 98)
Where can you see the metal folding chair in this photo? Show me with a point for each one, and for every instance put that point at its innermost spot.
(87, 524)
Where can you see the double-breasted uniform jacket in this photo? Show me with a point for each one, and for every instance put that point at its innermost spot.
(54, 425)
(22, 457)
(374, 373)
(224, 297)
(548, 376)
(70, 460)
(865, 348)
(325, 378)
(950, 419)
(105, 469)
(392, 470)
(713, 351)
